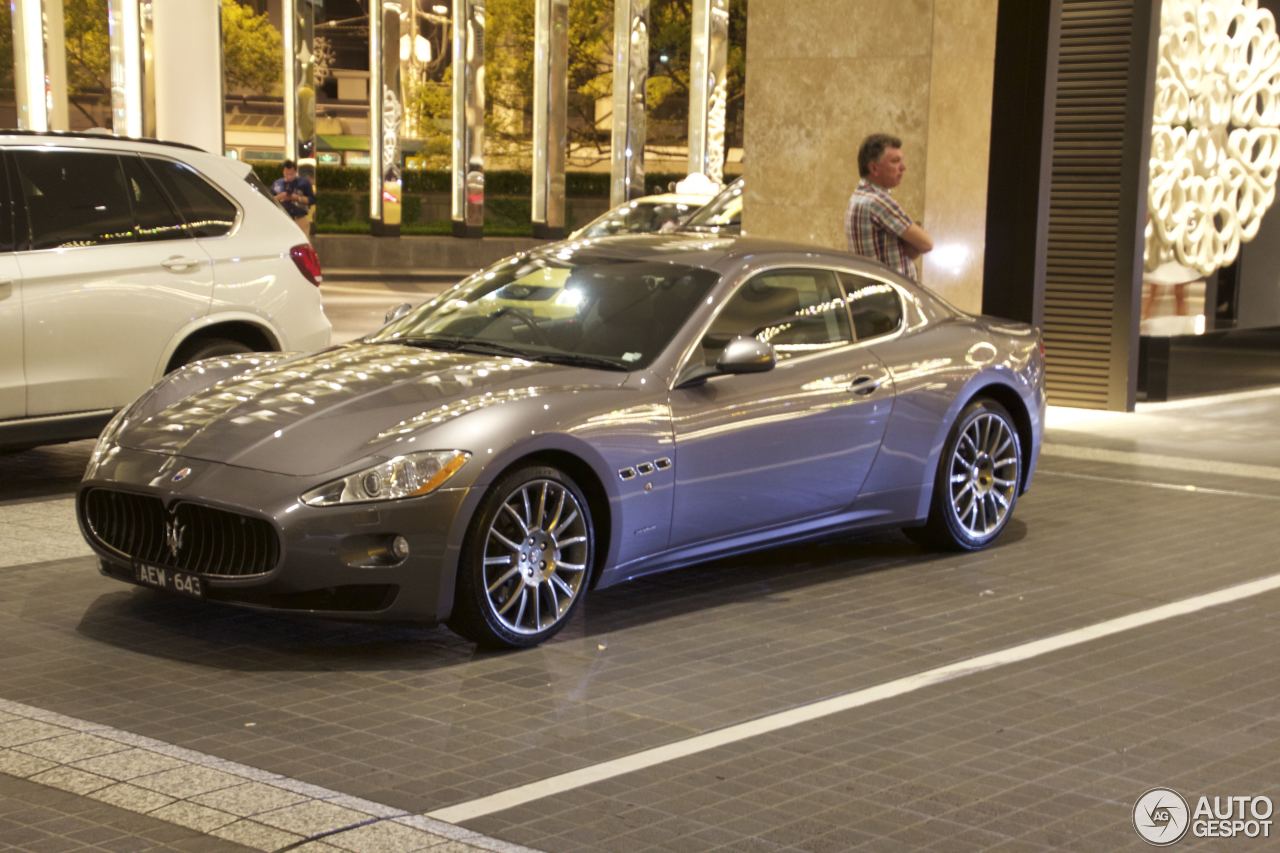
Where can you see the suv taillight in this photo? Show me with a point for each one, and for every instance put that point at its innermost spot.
(308, 262)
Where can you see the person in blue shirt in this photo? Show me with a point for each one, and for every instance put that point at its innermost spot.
(295, 194)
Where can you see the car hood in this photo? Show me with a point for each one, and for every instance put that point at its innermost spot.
(319, 412)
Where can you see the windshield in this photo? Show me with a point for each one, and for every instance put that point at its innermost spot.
(636, 217)
(592, 312)
(723, 214)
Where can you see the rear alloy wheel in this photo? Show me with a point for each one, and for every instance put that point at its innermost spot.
(976, 487)
(526, 562)
(208, 348)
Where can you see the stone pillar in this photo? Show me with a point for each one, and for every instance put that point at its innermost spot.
(550, 112)
(630, 72)
(708, 87)
(468, 118)
(40, 64)
(188, 72)
(931, 85)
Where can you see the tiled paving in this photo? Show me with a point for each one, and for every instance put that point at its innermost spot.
(1051, 752)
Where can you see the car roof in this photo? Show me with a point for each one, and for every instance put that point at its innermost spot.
(97, 137)
(692, 249)
(675, 198)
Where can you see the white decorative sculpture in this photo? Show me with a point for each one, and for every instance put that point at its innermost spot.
(1215, 144)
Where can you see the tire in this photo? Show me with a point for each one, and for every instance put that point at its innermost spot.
(976, 485)
(526, 561)
(207, 348)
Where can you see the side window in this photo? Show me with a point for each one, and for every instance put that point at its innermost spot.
(798, 311)
(262, 189)
(208, 212)
(74, 198)
(153, 217)
(6, 211)
(875, 306)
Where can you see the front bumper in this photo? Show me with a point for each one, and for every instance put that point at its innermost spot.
(331, 559)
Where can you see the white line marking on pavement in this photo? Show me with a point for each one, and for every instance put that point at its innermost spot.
(1151, 484)
(551, 786)
(1157, 460)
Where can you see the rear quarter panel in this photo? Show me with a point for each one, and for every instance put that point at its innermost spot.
(253, 273)
(936, 372)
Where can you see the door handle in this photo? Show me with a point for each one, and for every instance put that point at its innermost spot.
(863, 385)
(177, 263)
(6, 289)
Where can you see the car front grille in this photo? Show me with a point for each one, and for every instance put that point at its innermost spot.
(189, 537)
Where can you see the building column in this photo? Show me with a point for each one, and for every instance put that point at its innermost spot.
(630, 73)
(385, 112)
(468, 118)
(40, 64)
(125, 27)
(188, 72)
(299, 20)
(550, 113)
(708, 87)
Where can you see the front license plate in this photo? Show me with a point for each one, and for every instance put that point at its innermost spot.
(182, 583)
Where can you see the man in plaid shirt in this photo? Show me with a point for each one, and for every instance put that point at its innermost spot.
(875, 224)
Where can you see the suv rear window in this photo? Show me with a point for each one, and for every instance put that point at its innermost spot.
(207, 211)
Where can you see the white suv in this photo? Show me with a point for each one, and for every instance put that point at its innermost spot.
(122, 259)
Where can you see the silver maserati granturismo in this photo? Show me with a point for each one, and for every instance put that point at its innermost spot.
(568, 418)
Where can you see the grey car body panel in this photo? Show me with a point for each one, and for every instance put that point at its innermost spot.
(755, 459)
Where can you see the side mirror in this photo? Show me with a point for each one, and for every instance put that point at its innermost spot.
(741, 355)
(398, 312)
(746, 355)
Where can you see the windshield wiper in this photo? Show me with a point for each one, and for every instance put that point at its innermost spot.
(492, 348)
(579, 360)
(443, 342)
(453, 343)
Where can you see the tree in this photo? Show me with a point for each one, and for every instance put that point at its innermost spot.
(509, 65)
(252, 49)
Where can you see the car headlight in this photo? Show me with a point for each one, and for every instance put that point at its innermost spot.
(402, 477)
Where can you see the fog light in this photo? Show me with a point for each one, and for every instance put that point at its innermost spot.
(400, 547)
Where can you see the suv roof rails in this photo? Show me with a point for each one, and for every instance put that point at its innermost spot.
(97, 134)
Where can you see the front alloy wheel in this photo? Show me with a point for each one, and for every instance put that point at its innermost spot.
(526, 563)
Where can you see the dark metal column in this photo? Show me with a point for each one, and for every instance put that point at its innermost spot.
(1094, 186)
(385, 112)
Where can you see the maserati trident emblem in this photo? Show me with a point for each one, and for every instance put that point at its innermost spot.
(173, 532)
(180, 475)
